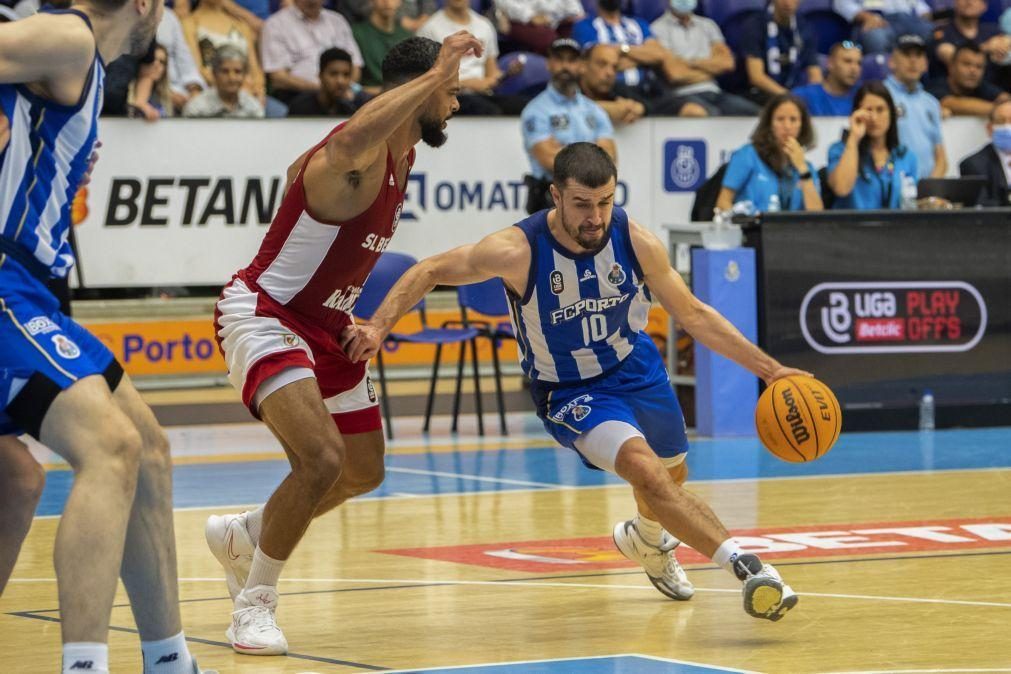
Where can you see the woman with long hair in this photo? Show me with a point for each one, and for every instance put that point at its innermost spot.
(869, 167)
(771, 171)
(149, 93)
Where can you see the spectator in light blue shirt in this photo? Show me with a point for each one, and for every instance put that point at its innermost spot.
(771, 171)
(869, 167)
(834, 96)
(919, 113)
(877, 23)
(559, 116)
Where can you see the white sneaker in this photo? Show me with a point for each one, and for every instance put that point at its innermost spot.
(765, 594)
(230, 543)
(660, 564)
(254, 630)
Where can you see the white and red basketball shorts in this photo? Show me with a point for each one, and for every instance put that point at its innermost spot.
(267, 346)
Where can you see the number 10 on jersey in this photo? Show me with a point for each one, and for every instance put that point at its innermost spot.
(594, 328)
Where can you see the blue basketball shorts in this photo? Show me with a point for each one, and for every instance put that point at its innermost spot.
(42, 351)
(638, 393)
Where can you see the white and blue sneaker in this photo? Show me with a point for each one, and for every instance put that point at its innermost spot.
(661, 566)
(766, 596)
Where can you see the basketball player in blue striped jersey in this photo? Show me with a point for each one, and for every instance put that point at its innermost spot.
(58, 383)
(580, 279)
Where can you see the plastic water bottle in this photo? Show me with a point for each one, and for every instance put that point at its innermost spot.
(927, 411)
(774, 204)
(908, 192)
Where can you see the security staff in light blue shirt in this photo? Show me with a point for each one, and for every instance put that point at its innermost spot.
(868, 169)
(560, 116)
(919, 112)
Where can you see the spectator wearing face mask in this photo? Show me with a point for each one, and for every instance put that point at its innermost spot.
(994, 161)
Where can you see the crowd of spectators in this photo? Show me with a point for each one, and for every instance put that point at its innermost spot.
(578, 68)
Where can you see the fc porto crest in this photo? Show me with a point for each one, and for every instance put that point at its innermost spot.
(65, 347)
(557, 284)
(616, 276)
(579, 412)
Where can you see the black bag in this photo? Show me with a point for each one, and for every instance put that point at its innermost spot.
(706, 196)
(538, 193)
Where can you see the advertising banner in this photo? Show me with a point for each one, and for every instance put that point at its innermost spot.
(187, 202)
(883, 313)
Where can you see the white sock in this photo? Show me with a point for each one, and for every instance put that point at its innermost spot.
(651, 532)
(167, 656)
(85, 656)
(254, 524)
(264, 571)
(727, 554)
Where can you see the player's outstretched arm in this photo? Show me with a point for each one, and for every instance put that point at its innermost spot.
(699, 319)
(44, 48)
(499, 254)
(365, 134)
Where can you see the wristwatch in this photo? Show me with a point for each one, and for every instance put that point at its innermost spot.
(625, 49)
(806, 175)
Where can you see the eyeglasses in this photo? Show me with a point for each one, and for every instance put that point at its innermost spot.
(850, 44)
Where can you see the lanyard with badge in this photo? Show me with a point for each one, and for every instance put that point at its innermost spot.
(886, 185)
(785, 186)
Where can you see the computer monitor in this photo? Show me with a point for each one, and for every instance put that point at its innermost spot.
(965, 191)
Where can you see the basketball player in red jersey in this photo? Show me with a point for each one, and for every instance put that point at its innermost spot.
(279, 320)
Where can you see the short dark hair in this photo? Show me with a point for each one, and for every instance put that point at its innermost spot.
(409, 59)
(967, 46)
(331, 55)
(876, 88)
(586, 163)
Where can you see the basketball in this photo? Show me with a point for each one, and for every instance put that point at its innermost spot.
(798, 419)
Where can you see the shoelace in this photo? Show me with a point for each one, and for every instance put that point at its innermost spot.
(259, 617)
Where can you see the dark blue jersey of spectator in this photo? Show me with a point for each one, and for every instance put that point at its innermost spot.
(787, 51)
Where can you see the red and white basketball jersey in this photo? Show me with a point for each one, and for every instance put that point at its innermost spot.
(316, 267)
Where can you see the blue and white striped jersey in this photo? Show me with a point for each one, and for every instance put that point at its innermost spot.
(581, 314)
(43, 165)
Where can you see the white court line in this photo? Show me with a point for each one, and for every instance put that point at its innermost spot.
(599, 586)
(919, 671)
(466, 476)
(572, 659)
(543, 486)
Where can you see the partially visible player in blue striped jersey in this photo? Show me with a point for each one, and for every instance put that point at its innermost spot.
(58, 383)
(580, 279)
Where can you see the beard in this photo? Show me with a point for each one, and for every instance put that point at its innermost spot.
(431, 132)
(142, 37)
(591, 241)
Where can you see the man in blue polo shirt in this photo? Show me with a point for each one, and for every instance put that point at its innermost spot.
(834, 96)
(559, 116)
(919, 112)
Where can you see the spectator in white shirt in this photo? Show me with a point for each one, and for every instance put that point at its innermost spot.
(534, 24)
(227, 98)
(292, 41)
(185, 80)
(877, 23)
(479, 75)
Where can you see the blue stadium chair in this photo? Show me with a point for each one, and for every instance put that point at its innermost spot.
(649, 10)
(489, 298)
(874, 67)
(528, 82)
(828, 26)
(722, 11)
(388, 270)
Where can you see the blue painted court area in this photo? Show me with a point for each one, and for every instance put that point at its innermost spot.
(617, 664)
(214, 484)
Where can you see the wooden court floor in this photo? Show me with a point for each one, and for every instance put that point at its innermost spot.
(497, 552)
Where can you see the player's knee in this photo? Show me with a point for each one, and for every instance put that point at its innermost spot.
(24, 481)
(639, 466)
(320, 472)
(157, 452)
(369, 480)
(120, 455)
